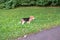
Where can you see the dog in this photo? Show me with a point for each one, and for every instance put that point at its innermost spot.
(28, 20)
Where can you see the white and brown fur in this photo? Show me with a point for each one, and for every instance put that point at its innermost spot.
(28, 20)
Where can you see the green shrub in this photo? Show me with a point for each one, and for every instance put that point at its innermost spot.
(41, 2)
(2, 1)
(15, 3)
(54, 2)
(2, 6)
(10, 4)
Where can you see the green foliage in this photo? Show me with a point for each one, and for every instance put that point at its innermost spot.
(10, 4)
(2, 1)
(24, 2)
(41, 2)
(1, 5)
(15, 3)
(54, 2)
(59, 2)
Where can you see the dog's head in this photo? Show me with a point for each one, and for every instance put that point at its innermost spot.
(32, 17)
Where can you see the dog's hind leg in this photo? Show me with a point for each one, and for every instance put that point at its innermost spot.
(22, 21)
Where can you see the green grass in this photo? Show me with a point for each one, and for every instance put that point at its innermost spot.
(45, 18)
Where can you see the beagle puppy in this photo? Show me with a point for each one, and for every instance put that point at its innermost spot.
(28, 20)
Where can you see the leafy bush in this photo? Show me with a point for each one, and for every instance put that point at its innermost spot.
(15, 3)
(10, 4)
(41, 2)
(54, 2)
(2, 1)
(1, 5)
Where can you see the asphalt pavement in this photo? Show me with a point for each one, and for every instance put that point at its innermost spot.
(52, 34)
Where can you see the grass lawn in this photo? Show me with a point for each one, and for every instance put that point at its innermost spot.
(10, 28)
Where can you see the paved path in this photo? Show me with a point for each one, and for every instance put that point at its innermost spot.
(53, 34)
